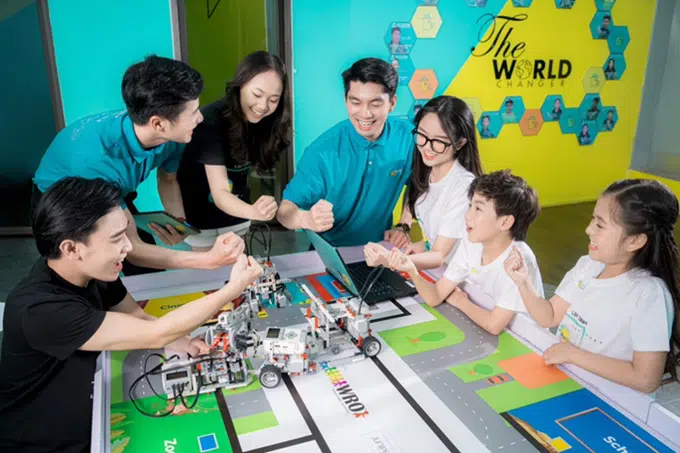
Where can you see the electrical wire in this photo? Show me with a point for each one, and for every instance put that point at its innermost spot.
(178, 392)
(373, 277)
(266, 240)
(134, 400)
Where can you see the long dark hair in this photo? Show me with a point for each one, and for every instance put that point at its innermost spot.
(261, 143)
(650, 208)
(458, 122)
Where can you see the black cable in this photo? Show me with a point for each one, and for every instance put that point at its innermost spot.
(155, 371)
(368, 285)
(373, 277)
(146, 375)
(134, 400)
(198, 394)
(266, 240)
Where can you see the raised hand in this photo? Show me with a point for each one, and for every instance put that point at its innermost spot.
(320, 217)
(516, 267)
(226, 250)
(245, 271)
(264, 208)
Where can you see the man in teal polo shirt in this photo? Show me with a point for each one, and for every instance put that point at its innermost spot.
(350, 178)
(161, 96)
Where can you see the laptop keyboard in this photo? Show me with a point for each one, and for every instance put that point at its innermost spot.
(360, 272)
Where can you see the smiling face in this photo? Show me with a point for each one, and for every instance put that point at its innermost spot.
(481, 221)
(429, 129)
(261, 95)
(609, 243)
(182, 128)
(101, 255)
(368, 106)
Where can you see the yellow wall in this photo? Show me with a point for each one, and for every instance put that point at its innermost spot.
(562, 171)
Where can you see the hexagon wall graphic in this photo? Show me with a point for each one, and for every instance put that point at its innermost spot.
(587, 133)
(489, 125)
(593, 80)
(604, 5)
(404, 67)
(531, 122)
(415, 107)
(569, 121)
(400, 38)
(601, 25)
(618, 39)
(475, 106)
(552, 107)
(607, 119)
(511, 109)
(522, 3)
(423, 84)
(565, 4)
(591, 106)
(614, 67)
(426, 21)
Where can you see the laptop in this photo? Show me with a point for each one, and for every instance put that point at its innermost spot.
(353, 276)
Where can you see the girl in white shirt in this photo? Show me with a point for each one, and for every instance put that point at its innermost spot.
(446, 141)
(617, 309)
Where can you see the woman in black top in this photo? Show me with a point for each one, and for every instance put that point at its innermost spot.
(250, 126)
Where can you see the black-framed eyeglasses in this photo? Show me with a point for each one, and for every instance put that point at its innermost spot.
(436, 145)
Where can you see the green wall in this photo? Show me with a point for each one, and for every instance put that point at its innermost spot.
(218, 42)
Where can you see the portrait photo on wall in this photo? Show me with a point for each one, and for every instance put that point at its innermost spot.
(587, 133)
(553, 107)
(404, 67)
(489, 125)
(512, 109)
(601, 25)
(400, 38)
(607, 119)
(591, 107)
(614, 67)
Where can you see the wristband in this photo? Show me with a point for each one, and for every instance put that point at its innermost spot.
(404, 227)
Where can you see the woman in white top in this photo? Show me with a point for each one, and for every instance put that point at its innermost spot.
(446, 141)
(617, 309)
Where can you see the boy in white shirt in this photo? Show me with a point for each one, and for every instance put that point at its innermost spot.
(502, 207)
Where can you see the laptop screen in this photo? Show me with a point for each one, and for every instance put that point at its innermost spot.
(332, 260)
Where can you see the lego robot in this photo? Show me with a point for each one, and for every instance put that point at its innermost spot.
(293, 350)
(331, 327)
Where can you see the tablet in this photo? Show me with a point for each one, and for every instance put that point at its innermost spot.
(143, 219)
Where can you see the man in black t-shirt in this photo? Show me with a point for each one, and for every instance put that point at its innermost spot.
(72, 305)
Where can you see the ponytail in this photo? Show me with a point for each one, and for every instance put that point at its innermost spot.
(650, 208)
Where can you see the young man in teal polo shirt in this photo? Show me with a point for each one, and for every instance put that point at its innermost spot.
(161, 96)
(350, 178)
